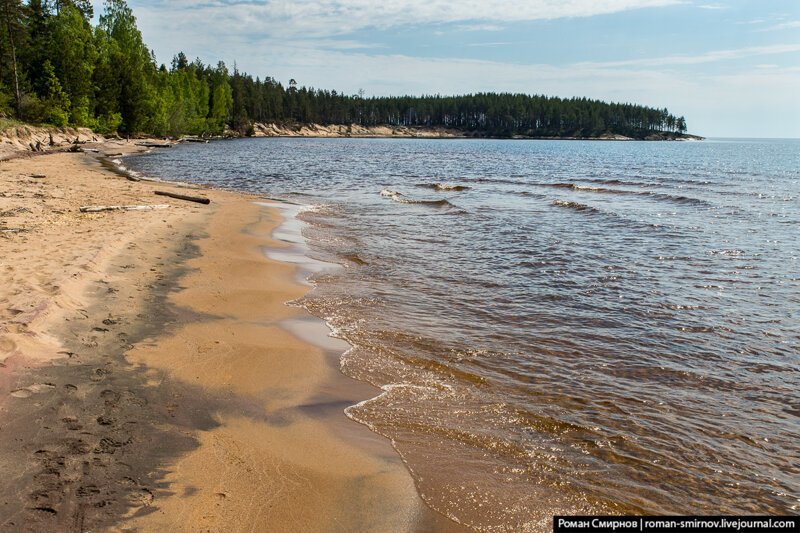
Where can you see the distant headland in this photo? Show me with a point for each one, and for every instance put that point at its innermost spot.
(298, 129)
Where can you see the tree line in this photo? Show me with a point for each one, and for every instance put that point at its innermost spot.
(57, 68)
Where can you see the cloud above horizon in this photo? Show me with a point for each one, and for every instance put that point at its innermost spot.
(325, 18)
(706, 57)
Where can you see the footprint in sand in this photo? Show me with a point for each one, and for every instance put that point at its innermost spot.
(72, 423)
(106, 420)
(30, 390)
(111, 397)
(141, 497)
(99, 374)
(132, 399)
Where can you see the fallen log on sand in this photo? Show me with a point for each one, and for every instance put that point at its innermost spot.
(154, 145)
(197, 199)
(102, 208)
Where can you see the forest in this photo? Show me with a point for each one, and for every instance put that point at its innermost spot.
(57, 68)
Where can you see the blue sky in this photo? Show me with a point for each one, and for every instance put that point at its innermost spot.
(731, 67)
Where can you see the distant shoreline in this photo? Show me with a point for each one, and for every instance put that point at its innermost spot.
(24, 140)
(313, 130)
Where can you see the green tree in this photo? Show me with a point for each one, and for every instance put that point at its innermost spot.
(130, 62)
(74, 57)
(55, 104)
(85, 7)
(221, 99)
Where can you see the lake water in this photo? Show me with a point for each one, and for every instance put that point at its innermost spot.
(558, 326)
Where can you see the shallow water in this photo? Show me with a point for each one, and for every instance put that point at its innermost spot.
(558, 326)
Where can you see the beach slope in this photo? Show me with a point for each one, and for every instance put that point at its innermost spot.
(149, 378)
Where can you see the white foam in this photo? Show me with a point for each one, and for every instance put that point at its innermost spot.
(315, 331)
(290, 231)
(311, 329)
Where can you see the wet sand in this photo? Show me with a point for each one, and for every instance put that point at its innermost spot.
(152, 377)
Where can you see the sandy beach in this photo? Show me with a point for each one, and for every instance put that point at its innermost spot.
(149, 376)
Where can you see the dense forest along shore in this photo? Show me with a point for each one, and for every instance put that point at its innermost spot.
(423, 132)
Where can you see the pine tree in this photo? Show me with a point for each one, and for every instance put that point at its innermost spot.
(131, 64)
(74, 57)
(12, 16)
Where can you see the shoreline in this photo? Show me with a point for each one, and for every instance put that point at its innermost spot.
(134, 429)
(28, 141)
(335, 131)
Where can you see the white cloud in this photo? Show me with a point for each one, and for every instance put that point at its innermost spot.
(490, 44)
(707, 57)
(319, 18)
(479, 27)
(753, 21)
(713, 6)
(793, 24)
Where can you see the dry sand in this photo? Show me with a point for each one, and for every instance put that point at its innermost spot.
(148, 381)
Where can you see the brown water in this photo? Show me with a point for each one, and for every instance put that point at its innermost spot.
(574, 327)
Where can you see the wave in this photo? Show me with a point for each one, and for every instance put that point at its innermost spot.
(529, 194)
(679, 307)
(664, 197)
(502, 181)
(402, 199)
(117, 166)
(444, 187)
(575, 205)
(583, 188)
(678, 199)
(730, 253)
(354, 258)
(624, 183)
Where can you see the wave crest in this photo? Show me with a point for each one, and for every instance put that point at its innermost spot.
(402, 199)
(445, 187)
(575, 205)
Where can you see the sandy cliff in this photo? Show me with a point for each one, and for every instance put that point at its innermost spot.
(350, 130)
(25, 138)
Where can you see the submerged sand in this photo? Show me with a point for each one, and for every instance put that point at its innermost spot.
(148, 376)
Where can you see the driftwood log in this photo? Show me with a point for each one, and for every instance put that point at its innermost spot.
(101, 208)
(155, 145)
(197, 199)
